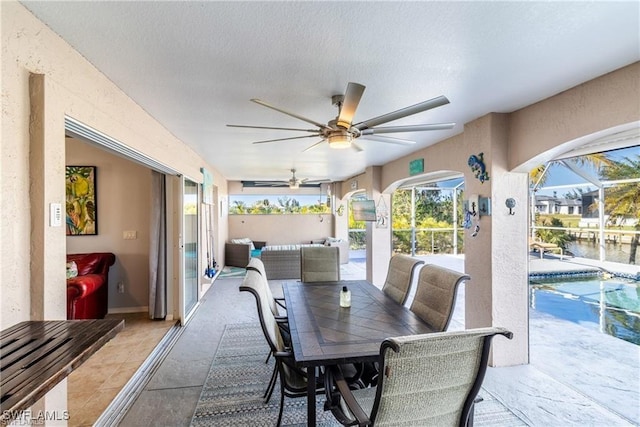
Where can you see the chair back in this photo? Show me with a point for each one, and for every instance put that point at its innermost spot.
(399, 277)
(436, 295)
(254, 284)
(432, 379)
(257, 265)
(320, 263)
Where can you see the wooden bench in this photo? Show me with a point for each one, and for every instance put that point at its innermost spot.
(36, 355)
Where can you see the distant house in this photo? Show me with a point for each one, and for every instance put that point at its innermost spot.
(557, 205)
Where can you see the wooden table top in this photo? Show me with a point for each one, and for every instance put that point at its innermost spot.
(323, 333)
(37, 355)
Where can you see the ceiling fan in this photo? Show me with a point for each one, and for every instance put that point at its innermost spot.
(292, 182)
(341, 132)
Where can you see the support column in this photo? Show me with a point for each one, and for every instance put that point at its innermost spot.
(377, 238)
(48, 288)
(497, 294)
(47, 170)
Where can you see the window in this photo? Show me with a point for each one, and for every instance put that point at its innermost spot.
(278, 204)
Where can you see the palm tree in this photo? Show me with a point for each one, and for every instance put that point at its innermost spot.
(596, 160)
(623, 200)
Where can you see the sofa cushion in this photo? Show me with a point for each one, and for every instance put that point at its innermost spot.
(244, 241)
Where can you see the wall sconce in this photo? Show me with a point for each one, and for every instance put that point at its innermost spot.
(510, 203)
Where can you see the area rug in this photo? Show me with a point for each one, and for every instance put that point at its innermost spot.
(232, 392)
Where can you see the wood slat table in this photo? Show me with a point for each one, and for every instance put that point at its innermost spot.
(37, 355)
(323, 333)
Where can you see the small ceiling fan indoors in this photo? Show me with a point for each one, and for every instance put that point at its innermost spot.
(341, 132)
(292, 182)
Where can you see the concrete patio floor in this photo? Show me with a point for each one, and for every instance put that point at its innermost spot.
(576, 376)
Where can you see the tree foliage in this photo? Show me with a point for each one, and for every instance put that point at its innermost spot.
(622, 201)
(284, 205)
(433, 211)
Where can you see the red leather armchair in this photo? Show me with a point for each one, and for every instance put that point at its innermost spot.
(88, 292)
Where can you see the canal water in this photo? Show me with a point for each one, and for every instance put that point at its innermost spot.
(615, 253)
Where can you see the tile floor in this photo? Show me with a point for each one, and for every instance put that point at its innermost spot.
(93, 386)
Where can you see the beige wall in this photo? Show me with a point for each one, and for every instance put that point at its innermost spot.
(32, 173)
(281, 229)
(573, 117)
(124, 202)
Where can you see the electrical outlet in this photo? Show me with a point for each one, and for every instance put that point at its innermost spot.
(121, 287)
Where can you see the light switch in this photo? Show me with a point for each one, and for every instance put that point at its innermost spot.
(130, 235)
(55, 214)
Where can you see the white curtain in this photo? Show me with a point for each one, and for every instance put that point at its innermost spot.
(158, 250)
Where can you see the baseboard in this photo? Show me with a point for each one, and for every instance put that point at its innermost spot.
(121, 310)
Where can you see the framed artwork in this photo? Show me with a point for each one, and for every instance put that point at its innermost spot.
(81, 201)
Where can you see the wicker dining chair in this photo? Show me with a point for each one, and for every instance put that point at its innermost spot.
(275, 304)
(436, 295)
(399, 277)
(320, 263)
(428, 380)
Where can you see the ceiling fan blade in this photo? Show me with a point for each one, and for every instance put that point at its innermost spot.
(288, 113)
(317, 181)
(412, 128)
(273, 128)
(285, 139)
(356, 147)
(404, 112)
(313, 146)
(349, 104)
(389, 140)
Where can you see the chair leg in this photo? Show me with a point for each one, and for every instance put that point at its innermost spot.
(281, 408)
(268, 356)
(272, 385)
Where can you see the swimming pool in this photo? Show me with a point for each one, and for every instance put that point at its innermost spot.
(608, 304)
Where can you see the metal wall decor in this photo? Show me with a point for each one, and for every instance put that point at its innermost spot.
(476, 163)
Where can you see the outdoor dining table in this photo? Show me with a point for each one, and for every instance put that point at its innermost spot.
(324, 334)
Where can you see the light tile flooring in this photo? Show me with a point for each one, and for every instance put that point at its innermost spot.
(93, 386)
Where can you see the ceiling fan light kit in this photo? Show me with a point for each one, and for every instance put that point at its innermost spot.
(340, 132)
(340, 139)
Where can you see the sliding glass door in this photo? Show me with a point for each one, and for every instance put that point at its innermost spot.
(189, 246)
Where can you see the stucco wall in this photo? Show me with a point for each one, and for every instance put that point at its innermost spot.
(75, 88)
(567, 120)
(281, 229)
(124, 202)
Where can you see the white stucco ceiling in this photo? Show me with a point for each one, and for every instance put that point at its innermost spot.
(195, 65)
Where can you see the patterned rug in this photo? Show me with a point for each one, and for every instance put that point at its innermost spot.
(232, 392)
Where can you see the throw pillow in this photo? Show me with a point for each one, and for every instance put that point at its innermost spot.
(72, 269)
(244, 241)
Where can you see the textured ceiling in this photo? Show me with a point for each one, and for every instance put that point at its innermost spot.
(195, 65)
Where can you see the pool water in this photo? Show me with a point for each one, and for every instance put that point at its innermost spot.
(610, 305)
